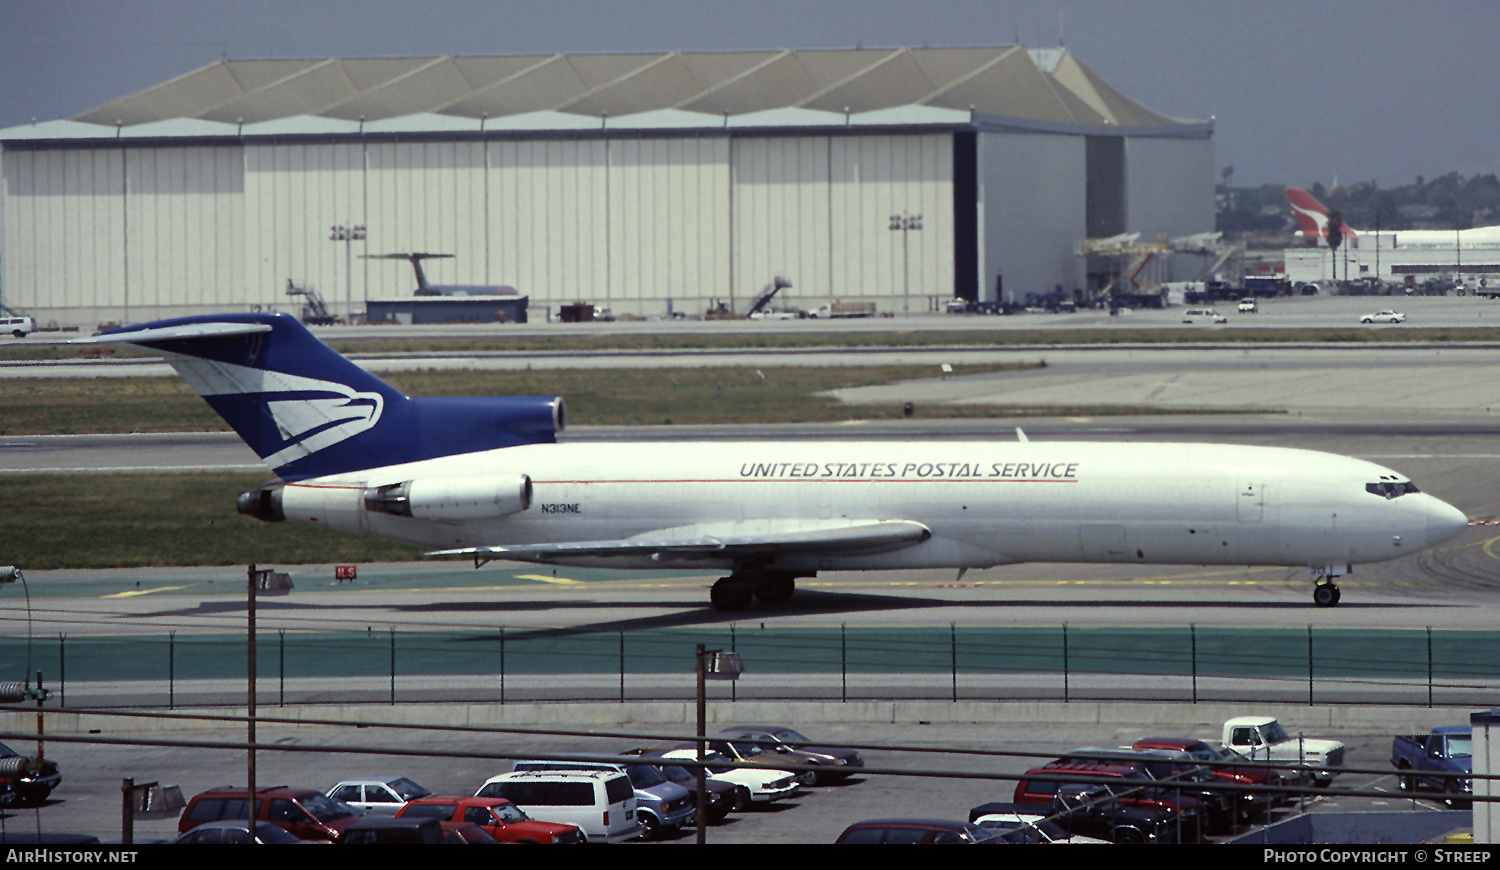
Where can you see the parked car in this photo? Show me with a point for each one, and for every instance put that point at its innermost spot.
(501, 819)
(306, 813)
(238, 832)
(600, 802)
(384, 830)
(1221, 764)
(763, 784)
(661, 806)
(1385, 315)
(30, 779)
(1261, 738)
(911, 831)
(1179, 772)
(1134, 790)
(382, 795)
(1030, 821)
(1421, 760)
(836, 763)
(1093, 811)
(721, 798)
(1203, 315)
(466, 834)
(1249, 305)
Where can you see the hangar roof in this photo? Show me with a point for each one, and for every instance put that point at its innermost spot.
(1045, 86)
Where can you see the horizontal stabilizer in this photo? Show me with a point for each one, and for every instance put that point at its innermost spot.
(173, 333)
(702, 542)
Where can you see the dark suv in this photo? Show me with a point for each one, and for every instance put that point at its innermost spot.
(1130, 786)
(305, 813)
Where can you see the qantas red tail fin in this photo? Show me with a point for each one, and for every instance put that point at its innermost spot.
(1312, 216)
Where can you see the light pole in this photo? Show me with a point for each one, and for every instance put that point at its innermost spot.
(709, 664)
(905, 223)
(348, 235)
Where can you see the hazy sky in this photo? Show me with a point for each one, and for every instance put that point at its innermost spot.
(1301, 90)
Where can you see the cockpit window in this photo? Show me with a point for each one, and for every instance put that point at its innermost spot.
(1391, 488)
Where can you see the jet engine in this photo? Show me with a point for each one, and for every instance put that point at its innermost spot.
(462, 498)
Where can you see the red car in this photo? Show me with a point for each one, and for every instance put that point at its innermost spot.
(305, 813)
(1251, 803)
(497, 817)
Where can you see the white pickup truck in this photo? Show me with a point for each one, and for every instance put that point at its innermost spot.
(1261, 738)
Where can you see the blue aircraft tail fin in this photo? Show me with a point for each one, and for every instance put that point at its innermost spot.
(309, 412)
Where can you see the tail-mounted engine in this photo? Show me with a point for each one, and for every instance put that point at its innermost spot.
(468, 498)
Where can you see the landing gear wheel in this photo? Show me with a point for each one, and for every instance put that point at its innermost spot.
(729, 594)
(774, 589)
(1326, 594)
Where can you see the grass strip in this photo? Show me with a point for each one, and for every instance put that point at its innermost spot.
(618, 397)
(138, 521)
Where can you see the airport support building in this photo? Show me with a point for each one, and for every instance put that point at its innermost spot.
(645, 183)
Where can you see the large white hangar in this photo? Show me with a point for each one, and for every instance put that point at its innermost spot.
(646, 183)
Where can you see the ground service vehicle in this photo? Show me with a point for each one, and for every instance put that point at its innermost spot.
(20, 327)
(1422, 759)
(498, 817)
(1261, 738)
(1385, 315)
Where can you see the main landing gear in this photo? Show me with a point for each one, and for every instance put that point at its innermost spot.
(735, 592)
(1326, 593)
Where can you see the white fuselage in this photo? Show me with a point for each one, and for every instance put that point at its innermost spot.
(985, 503)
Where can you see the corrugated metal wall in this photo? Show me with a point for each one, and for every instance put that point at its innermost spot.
(127, 234)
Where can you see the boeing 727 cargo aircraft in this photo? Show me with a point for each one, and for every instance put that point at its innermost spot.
(486, 478)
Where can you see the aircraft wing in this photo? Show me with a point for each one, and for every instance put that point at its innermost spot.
(707, 542)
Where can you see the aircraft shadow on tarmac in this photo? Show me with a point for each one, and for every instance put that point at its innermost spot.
(697, 613)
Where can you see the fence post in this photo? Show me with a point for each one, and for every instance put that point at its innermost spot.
(1429, 667)
(1193, 633)
(1309, 668)
(622, 666)
(171, 670)
(392, 631)
(953, 656)
(281, 668)
(1066, 698)
(843, 665)
(62, 669)
(502, 664)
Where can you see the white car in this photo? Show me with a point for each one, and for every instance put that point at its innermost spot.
(377, 795)
(1203, 315)
(1384, 316)
(766, 784)
(1034, 828)
(1248, 305)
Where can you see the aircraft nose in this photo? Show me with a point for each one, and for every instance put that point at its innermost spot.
(1444, 521)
